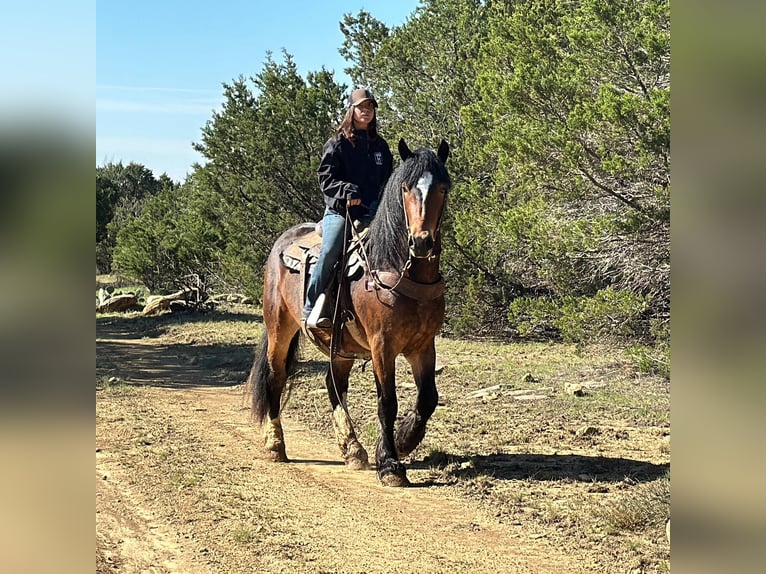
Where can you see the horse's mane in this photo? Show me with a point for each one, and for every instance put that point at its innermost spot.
(387, 246)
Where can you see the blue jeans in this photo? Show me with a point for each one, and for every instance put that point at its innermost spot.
(333, 243)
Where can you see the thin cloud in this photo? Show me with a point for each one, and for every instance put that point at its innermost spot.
(156, 99)
(122, 88)
(194, 107)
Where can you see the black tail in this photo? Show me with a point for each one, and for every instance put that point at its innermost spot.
(266, 391)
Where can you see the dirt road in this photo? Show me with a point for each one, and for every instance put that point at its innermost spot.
(232, 511)
(182, 486)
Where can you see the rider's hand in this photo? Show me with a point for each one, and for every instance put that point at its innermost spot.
(353, 202)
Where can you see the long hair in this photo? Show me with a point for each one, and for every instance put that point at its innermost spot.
(346, 127)
(388, 239)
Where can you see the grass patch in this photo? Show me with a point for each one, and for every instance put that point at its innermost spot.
(112, 385)
(647, 506)
(182, 481)
(370, 433)
(242, 535)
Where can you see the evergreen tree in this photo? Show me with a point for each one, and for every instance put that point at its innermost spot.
(175, 241)
(120, 192)
(577, 95)
(263, 150)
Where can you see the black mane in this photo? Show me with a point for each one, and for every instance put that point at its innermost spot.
(387, 246)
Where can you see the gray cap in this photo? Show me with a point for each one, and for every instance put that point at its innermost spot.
(360, 95)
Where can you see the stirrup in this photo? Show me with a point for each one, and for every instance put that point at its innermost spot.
(319, 323)
(317, 318)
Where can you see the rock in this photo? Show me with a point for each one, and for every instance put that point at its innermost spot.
(574, 389)
(118, 303)
(587, 430)
(236, 298)
(485, 392)
(157, 303)
(530, 378)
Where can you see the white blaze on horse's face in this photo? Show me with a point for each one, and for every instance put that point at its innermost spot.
(422, 215)
(424, 184)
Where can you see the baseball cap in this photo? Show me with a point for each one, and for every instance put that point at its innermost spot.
(360, 95)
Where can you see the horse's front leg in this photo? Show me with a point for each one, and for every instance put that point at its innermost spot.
(412, 428)
(337, 387)
(391, 471)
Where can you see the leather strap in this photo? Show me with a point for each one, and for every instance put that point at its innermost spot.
(409, 288)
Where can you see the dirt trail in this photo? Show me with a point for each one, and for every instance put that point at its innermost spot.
(182, 486)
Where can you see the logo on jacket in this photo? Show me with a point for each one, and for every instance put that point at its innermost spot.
(378, 158)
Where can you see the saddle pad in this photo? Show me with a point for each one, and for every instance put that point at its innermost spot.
(307, 246)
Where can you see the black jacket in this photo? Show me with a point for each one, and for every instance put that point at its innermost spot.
(357, 171)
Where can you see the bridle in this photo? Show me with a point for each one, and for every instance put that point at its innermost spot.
(410, 238)
(410, 243)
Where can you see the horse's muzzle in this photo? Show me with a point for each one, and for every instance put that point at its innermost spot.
(422, 244)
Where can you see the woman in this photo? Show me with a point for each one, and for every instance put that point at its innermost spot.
(356, 163)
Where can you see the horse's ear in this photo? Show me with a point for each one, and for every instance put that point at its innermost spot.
(443, 151)
(404, 151)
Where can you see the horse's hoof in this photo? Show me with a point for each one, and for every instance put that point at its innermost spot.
(356, 457)
(356, 464)
(394, 480)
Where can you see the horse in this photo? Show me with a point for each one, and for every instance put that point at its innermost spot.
(396, 307)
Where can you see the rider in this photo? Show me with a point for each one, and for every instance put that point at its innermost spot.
(356, 163)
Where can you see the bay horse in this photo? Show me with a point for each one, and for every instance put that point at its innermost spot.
(395, 308)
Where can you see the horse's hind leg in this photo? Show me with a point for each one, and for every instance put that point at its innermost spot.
(337, 387)
(412, 428)
(275, 357)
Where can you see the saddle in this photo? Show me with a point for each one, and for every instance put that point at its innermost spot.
(301, 257)
(302, 254)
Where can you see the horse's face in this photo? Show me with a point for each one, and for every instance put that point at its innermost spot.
(424, 202)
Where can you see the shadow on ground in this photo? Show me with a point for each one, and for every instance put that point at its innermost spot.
(548, 467)
(126, 349)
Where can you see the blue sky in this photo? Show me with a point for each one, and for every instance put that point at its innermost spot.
(48, 62)
(160, 65)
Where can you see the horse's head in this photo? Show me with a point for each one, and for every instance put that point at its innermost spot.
(424, 196)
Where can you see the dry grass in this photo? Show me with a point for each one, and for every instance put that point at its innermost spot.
(645, 507)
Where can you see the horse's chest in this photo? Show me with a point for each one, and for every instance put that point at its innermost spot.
(381, 309)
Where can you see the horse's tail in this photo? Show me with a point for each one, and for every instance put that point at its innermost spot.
(266, 390)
